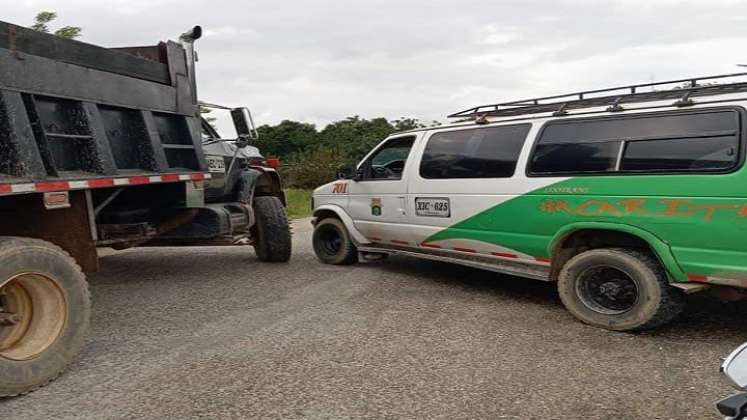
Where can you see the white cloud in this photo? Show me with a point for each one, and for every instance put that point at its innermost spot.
(321, 60)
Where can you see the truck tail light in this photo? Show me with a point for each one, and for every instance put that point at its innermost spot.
(56, 200)
(273, 163)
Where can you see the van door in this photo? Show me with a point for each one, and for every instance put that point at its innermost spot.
(463, 172)
(378, 197)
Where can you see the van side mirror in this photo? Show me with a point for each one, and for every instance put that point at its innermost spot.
(244, 123)
(347, 172)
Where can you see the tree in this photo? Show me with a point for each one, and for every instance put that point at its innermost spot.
(287, 138)
(69, 32)
(355, 136)
(43, 19)
(311, 157)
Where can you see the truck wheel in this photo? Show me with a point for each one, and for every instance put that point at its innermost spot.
(44, 313)
(618, 289)
(332, 244)
(272, 237)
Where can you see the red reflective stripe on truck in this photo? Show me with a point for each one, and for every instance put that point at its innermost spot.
(52, 186)
(137, 180)
(100, 183)
(47, 186)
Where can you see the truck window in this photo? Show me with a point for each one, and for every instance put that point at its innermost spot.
(490, 152)
(682, 142)
(388, 162)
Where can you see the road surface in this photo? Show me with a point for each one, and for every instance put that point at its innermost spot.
(202, 333)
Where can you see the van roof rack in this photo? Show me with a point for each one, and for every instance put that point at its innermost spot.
(611, 97)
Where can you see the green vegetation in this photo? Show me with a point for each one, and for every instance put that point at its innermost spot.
(311, 157)
(299, 203)
(43, 19)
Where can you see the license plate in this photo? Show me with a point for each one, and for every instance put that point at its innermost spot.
(216, 164)
(432, 207)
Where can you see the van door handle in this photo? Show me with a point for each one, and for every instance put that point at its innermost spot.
(403, 205)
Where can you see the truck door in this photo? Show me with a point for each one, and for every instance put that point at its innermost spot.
(378, 198)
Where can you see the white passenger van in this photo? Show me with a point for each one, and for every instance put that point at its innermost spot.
(628, 198)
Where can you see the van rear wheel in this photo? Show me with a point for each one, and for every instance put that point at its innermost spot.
(332, 243)
(44, 313)
(618, 289)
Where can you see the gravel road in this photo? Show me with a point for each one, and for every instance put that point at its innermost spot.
(193, 333)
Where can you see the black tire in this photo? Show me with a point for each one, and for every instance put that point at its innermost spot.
(332, 243)
(272, 236)
(36, 271)
(618, 289)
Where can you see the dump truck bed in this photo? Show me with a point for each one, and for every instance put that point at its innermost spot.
(77, 116)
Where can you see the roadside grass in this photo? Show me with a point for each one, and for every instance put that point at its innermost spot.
(299, 203)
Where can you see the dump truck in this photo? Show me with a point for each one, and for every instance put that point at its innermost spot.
(105, 147)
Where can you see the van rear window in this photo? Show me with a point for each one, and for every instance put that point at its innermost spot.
(490, 152)
(683, 142)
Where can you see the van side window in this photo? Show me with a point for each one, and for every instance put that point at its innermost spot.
(682, 142)
(388, 162)
(680, 154)
(489, 152)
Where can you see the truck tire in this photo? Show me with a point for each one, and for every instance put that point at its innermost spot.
(45, 313)
(332, 243)
(272, 237)
(618, 289)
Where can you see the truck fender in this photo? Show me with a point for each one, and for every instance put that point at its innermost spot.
(358, 237)
(660, 248)
(261, 181)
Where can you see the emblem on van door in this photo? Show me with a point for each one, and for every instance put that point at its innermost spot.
(376, 206)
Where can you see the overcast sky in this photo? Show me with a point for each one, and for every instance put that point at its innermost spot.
(322, 60)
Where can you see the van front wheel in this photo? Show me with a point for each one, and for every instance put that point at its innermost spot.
(332, 243)
(618, 289)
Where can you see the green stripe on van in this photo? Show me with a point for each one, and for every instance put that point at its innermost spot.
(707, 233)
